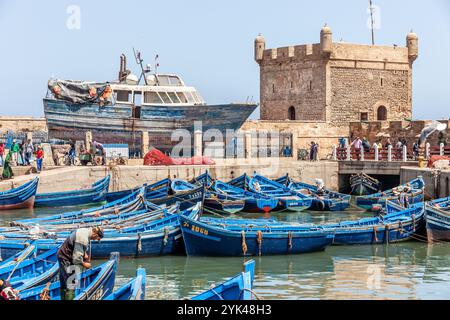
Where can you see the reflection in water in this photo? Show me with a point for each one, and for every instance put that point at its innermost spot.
(410, 270)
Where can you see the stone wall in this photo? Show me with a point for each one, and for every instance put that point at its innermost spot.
(336, 84)
(396, 130)
(22, 124)
(325, 134)
(293, 77)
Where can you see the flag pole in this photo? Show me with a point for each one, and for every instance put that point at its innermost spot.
(371, 19)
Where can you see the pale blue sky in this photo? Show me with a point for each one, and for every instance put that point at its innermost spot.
(209, 43)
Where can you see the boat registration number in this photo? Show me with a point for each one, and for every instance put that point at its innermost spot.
(196, 229)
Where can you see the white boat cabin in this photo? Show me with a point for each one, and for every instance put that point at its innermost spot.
(161, 89)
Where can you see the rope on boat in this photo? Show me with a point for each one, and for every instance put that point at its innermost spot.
(166, 235)
(253, 293)
(244, 244)
(375, 235)
(413, 216)
(216, 293)
(386, 230)
(139, 244)
(259, 238)
(290, 240)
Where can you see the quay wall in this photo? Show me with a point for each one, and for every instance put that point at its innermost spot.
(125, 177)
(437, 182)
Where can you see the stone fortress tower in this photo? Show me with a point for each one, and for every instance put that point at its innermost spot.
(336, 82)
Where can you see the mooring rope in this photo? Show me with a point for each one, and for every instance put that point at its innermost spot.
(244, 244)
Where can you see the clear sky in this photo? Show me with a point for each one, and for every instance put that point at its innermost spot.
(209, 43)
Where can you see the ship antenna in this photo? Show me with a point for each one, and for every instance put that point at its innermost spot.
(139, 61)
(371, 21)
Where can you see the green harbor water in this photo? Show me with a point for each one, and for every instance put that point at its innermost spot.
(409, 270)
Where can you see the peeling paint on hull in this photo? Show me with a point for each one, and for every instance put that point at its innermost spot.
(115, 124)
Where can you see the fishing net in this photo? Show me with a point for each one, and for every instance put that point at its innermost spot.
(157, 158)
(443, 161)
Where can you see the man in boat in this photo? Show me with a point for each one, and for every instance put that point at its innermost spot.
(72, 256)
(320, 187)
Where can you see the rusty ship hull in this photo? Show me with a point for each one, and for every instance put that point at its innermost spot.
(119, 123)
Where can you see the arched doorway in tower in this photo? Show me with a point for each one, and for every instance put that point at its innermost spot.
(381, 113)
(291, 113)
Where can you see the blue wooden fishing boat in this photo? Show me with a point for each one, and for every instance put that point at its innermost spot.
(31, 271)
(437, 216)
(203, 239)
(204, 179)
(132, 202)
(240, 287)
(253, 202)
(215, 202)
(20, 197)
(413, 190)
(287, 198)
(362, 184)
(97, 193)
(185, 199)
(19, 256)
(158, 189)
(132, 290)
(240, 182)
(160, 237)
(93, 284)
(323, 201)
(399, 224)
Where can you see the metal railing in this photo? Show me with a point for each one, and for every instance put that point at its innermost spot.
(388, 154)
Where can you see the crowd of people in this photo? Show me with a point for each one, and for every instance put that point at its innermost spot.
(359, 144)
(20, 154)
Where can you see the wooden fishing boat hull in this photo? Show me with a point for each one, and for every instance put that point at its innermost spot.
(367, 203)
(239, 287)
(224, 205)
(19, 198)
(155, 190)
(132, 290)
(293, 204)
(116, 124)
(392, 231)
(437, 221)
(361, 186)
(74, 198)
(260, 205)
(94, 284)
(186, 199)
(202, 239)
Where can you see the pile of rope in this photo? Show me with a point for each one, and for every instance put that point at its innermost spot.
(157, 158)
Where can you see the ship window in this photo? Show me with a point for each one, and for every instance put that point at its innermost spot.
(163, 81)
(165, 97)
(173, 97)
(123, 95)
(182, 97)
(199, 97)
(174, 81)
(189, 97)
(152, 97)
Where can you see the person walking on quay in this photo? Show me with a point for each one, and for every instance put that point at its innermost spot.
(72, 256)
(7, 171)
(72, 154)
(416, 150)
(39, 158)
(357, 144)
(15, 152)
(100, 150)
(2, 152)
(29, 150)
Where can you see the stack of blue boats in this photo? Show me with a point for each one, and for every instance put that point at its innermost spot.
(168, 217)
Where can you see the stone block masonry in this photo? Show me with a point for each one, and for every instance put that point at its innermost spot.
(336, 82)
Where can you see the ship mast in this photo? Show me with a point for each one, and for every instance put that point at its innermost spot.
(371, 21)
(139, 61)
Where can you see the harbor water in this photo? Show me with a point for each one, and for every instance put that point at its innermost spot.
(408, 270)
